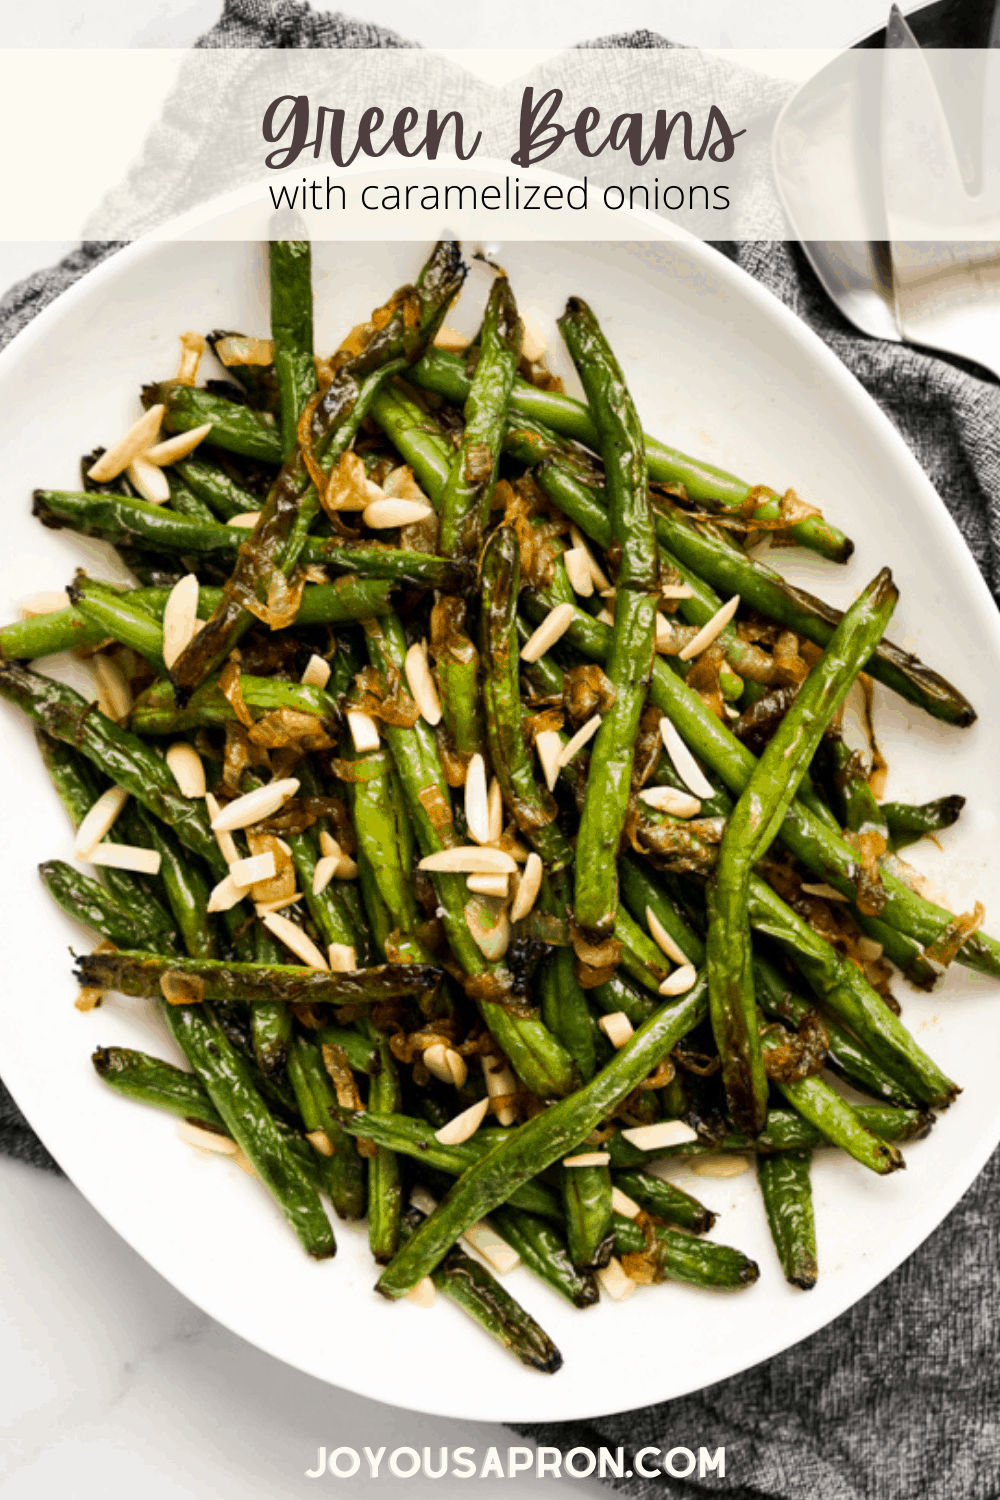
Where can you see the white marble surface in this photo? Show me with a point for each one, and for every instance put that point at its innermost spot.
(111, 1383)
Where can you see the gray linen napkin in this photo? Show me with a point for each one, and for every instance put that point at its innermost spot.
(901, 1396)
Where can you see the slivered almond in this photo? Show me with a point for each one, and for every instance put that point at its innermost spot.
(657, 1137)
(464, 1126)
(577, 564)
(295, 940)
(317, 672)
(422, 1200)
(664, 634)
(180, 618)
(614, 1281)
(343, 958)
(178, 446)
(186, 768)
(490, 926)
(549, 747)
(114, 696)
(680, 981)
(45, 603)
(382, 514)
(555, 624)
(661, 937)
(227, 847)
(495, 800)
(869, 949)
(99, 821)
(500, 1084)
(263, 907)
(580, 544)
(364, 730)
(206, 1140)
(669, 800)
(324, 872)
(149, 480)
(423, 1294)
(684, 762)
(421, 683)
(617, 1028)
(624, 1205)
(347, 868)
(477, 804)
(254, 806)
(320, 1141)
(720, 1166)
(135, 441)
(534, 343)
(528, 887)
(452, 340)
(605, 617)
(245, 1165)
(820, 888)
(497, 1254)
(192, 348)
(489, 885)
(470, 859)
(226, 895)
(246, 520)
(126, 857)
(328, 844)
(446, 1064)
(708, 632)
(247, 872)
(588, 1159)
(400, 484)
(676, 591)
(582, 737)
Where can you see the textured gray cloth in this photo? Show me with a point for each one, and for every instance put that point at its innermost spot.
(900, 1397)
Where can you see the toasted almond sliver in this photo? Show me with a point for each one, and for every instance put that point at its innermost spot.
(364, 731)
(99, 821)
(382, 514)
(617, 1028)
(708, 632)
(186, 767)
(684, 762)
(255, 805)
(497, 1254)
(577, 564)
(178, 446)
(464, 1126)
(489, 885)
(582, 737)
(326, 869)
(820, 888)
(477, 802)
(669, 800)
(247, 872)
(114, 696)
(399, 484)
(180, 618)
(656, 1137)
(680, 981)
(470, 859)
(206, 1140)
(295, 939)
(226, 895)
(149, 480)
(614, 1281)
(263, 907)
(580, 544)
(661, 937)
(869, 949)
(435, 1060)
(676, 591)
(624, 1205)
(452, 340)
(347, 868)
(421, 683)
(422, 1200)
(423, 1294)
(458, 1066)
(45, 603)
(126, 857)
(317, 672)
(549, 747)
(227, 847)
(535, 343)
(329, 846)
(606, 617)
(500, 1082)
(555, 624)
(320, 1141)
(588, 1159)
(490, 926)
(664, 634)
(343, 958)
(138, 438)
(720, 1166)
(246, 520)
(245, 1164)
(495, 801)
(528, 887)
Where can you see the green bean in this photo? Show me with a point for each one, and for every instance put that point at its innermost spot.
(543, 1251)
(615, 994)
(270, 1023)
(385, 1187)
(664, 1200)
(632, 642)
(417, 437)
(92, 904)
(292, 331)
(385, 840)
(907, 822)
(221, 494)
(237, 428)
(445, 374)
(674, 1256)
(563, 1001)
(344, 1171)
(787, 1193)
(457, 662)
(184, 501)
(148, 1080)
(587, 1204)
(185, 882)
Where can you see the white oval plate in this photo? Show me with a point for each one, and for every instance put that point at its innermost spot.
(719, 368)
